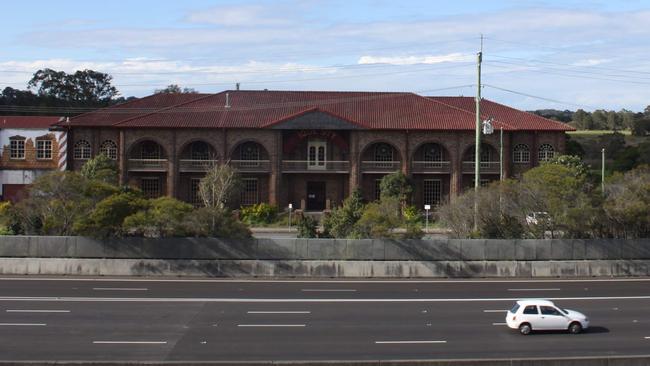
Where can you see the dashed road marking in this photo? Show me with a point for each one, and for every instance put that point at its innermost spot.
(23, 324)
(36, 311)
(278, 312)
(129, 342)
(410, 342)
(272, 325)
(120, 289)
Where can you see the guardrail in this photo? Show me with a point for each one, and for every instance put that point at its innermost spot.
(306, 166)
(380, 166)
(485, 166)
(431, 167)
(147, 165)
(252, 166)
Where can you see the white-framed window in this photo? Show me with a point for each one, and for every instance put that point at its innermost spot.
(44, 149)
(545, 152)
(383, 153)
(377, 190)
(17, 148)
(521, 153)
(82, 150)
(109, 148)
(151, 187)
(250, 192)
(316, 154)
(432, 191)
(195, 198)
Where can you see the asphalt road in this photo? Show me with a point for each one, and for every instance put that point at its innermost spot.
(210, 320)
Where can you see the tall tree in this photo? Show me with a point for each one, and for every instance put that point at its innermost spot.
(87, 87)
(175, 89)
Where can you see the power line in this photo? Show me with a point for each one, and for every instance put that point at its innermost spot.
(538, 97)
(571, 65)
(572, 70)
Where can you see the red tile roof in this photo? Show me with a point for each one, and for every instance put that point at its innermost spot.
(30, 122)
(264, 109)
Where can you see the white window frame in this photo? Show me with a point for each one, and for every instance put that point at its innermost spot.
(17, 148)
(43, 149)
(109, 147)
(433, 202)
(82, 150)
(521, 154)
(317, 160)
(545, 152)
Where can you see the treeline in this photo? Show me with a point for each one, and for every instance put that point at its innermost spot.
(600, 119)
(51, 92)
(555, 200)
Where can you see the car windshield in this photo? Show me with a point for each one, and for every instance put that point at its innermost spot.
(514, 309)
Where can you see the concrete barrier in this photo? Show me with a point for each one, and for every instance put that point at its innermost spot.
(325, 249)
(320, 268)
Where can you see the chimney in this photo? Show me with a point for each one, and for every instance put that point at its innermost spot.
(237, 86)
(227, 100)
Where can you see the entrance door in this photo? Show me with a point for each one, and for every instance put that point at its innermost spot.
(315, 196)
(316, 155)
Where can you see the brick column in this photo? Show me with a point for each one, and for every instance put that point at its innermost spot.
(533, 150)
(354, 158)
(406, 159)
(276, 171)
(122, 169)
(507, 154)
(172, 175)
(455, 161)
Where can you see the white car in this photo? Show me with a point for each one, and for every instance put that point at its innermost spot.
(529, 315)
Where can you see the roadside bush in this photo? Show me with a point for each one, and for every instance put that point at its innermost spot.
(216, 222)
(9, 224)
(107, 218)
(379, 219)
(627, 203)
(307, 227)
(340, 223)
(163, 217)
(396, 185)
(261, 213)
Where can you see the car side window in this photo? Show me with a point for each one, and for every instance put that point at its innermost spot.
(548, 310)
(531, 309)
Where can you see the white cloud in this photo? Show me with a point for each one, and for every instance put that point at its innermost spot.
(413, 60)
(245, 15)
(591, 62)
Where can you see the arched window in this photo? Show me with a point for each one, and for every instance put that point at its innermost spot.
(150, 150)
(521, 153)
(249, 151)
(384, 152)
(432, 152)
(82, 150)
(545, 152)
(199, 150)
(109, 148)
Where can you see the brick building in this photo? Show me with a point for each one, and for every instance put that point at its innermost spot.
(29, 149)
(309, 148)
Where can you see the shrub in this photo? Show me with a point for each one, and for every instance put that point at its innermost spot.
(379, 219)
(216, 222)
(261, 213)
(396, 185)
(107, 218)
(101, 168)
(340, 223)
(307, 227)
(163, 217)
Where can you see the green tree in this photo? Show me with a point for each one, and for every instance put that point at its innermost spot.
(641, 126)
(626, 159)
(307, 227)
(101, 168)
(175, 89)
(574, 163)
(87, 87)
(379, 219)
(215, 222)
(107, 218)
(396, 185)
(340, 223)
(163, 217)
(613, 144)
(627, 203)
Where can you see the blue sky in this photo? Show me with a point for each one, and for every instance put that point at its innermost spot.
(538, 54)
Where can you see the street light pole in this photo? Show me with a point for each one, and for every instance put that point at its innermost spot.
(501, 154)
(602, 172)
(477, 147)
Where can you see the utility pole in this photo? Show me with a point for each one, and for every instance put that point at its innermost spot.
(477, 150)
(501, 154)
(602, 171)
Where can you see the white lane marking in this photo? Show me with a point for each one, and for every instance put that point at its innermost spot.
(327, 290)
(278, 312)
(409, 342)
(499, 324)
(36, 311)
(262, 300)
(129, 342)
(271, 325)
(23, 324)
(647, 337)
(120, 289)
(495, 311)
(316, 281)
(533, 289)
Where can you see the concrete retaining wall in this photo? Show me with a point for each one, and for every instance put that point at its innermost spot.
(325, 249)
(321, 268)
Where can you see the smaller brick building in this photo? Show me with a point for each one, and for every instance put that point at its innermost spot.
(29, 149)
(310, 149)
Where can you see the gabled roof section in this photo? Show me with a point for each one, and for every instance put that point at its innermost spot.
(28, 122)
(314, 118)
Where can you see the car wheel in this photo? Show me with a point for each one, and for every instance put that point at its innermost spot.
(525, 329)
(575, 328)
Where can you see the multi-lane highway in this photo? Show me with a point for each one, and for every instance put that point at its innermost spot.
(197, 320)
